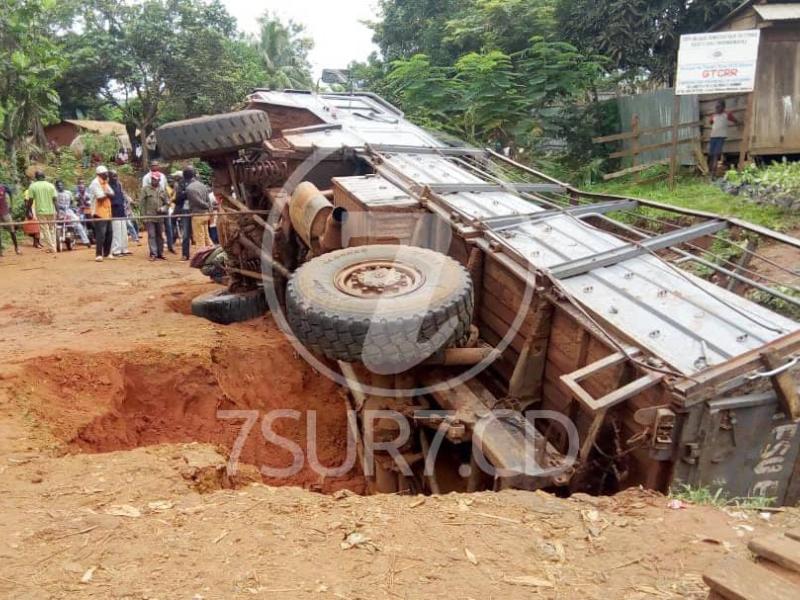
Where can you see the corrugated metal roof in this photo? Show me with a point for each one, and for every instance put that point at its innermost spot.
(778, 12)
(357, 120)
(425, 169)
(376, 192)
(102, 127)
(686, 321)
(732, 14)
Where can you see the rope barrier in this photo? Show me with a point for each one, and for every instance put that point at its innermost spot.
(7, 224)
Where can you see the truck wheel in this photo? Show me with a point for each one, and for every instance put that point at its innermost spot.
(388, 306)
(212, 135)
(225, 308)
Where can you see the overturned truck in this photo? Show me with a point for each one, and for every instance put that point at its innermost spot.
(582, 342)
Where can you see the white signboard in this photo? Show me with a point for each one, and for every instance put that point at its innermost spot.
(712, 63)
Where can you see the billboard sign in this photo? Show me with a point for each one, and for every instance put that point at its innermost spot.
(713, 63)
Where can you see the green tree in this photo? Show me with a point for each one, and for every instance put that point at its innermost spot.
(30, 66)
(637, 36)
(283, 49)
(89, 54)
(491, 105)
(409, 27)
(505, 25)
(371, 75)
(427, 93)
(492, 97)
(556, 71)
(162, 51)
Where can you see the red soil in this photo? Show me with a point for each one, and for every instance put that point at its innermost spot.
(111, 402)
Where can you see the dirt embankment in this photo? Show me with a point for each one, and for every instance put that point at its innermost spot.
(121, 401)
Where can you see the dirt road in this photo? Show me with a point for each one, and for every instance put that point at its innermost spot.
(113, 484)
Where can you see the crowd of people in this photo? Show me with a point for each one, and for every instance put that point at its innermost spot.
(173, 208)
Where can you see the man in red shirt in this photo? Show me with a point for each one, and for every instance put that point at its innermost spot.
(5, 218)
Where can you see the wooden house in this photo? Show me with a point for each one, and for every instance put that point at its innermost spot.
(773, 110)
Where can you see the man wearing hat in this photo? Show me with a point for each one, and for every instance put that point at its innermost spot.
(155, 167)
(100, 195)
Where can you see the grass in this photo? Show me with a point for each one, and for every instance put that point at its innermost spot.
(698, 194)
(705, 497)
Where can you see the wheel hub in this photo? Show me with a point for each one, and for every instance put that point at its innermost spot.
(379, 279)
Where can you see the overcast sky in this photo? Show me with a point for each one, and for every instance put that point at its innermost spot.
(334, 25)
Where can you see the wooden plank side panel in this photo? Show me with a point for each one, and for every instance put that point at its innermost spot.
(738, 579)
(493, 300)
(778, 549)
(569, 351)
(489, 319)
(567, 337)
(283, 117)
(504, 366)
(501, 299)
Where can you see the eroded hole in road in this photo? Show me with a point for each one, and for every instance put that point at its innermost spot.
(106, 403)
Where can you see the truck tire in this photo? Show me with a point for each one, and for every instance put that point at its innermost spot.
(213, 135)
(222, 307)
(388, 306)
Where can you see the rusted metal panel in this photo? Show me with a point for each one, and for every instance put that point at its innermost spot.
(743, 444)
(655, 110)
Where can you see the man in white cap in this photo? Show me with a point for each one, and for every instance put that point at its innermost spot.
(100, 195)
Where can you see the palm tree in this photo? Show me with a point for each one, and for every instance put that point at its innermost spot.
(284, 52)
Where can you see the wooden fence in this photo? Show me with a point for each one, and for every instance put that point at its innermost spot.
(638, 139)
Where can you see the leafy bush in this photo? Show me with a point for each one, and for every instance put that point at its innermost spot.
(577, 125)
(67, 168)
(783, 175)
(779, 305)
(104, 145)
(6, 172)
(204, 171)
